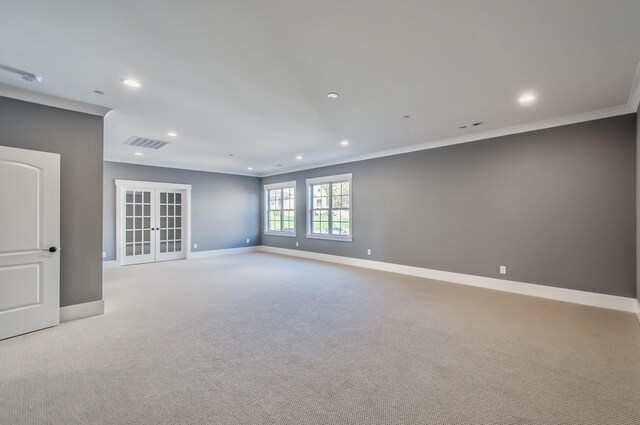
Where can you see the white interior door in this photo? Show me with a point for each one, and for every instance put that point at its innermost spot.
(139, 225)
(170, 210)
(29, 241)
(152, 221)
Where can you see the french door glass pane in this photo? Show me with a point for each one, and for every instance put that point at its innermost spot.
(170, 222)
(140, 213)
(137, 222)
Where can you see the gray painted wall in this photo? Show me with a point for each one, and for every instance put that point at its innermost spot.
(77, 137)
(225, 207)
(556, 206)
(638, 206)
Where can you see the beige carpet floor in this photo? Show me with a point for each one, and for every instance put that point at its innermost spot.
(265, 339)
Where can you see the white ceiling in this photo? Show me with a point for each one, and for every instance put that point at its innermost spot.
(250, 78)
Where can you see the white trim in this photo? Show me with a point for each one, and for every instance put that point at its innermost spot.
(638, 310)
(196, 255)
(286, 234)
(152, 185)
(281, 185)
(338, 238)
(612, 302)
(110, 264)
(48, 100)
(80, 311)
(523, 128)
(338, 178)
(330, 179)
(265, 210)
(159, 163)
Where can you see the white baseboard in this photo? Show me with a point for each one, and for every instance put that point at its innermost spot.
(197, 255)
(638, 309)
(218, 252)
(110, 264)
(80, 311)
(612, 302)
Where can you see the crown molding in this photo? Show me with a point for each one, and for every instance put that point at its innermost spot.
(48, 100)
(506, 131)
(160, 164)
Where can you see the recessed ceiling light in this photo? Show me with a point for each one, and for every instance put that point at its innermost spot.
(527, 98)
(344, 142)
(172, 134)
(299, 157)
(473, 124)
(138, 153)
(332, 95)
(249, 168)
(131, 83)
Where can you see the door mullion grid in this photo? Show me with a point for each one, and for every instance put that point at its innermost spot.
(330, 209)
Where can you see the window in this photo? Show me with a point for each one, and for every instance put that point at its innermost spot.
(280, 209)
(329, 207)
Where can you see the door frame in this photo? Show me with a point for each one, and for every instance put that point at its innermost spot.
(123, 185)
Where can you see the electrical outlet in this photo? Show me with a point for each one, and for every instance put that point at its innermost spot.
(369, 251)
(195, 246)
(297, 243)
(104, 254)
(247, 240)
(503, 269)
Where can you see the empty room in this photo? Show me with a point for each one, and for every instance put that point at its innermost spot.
(335, 212)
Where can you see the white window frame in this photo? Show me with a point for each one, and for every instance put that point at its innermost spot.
(348, 177)
(283, 185)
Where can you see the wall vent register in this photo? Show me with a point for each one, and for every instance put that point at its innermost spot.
(143, 142)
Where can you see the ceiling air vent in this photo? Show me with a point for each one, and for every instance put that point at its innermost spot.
(143, 142)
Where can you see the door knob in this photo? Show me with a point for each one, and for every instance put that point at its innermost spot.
(51, 249)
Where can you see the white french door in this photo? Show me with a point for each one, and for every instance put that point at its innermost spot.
(29, 241)
(153, 222)
(139, 223)
(169, 211)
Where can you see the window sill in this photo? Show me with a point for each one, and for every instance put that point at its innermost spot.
(331, 238)
(287, 234)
